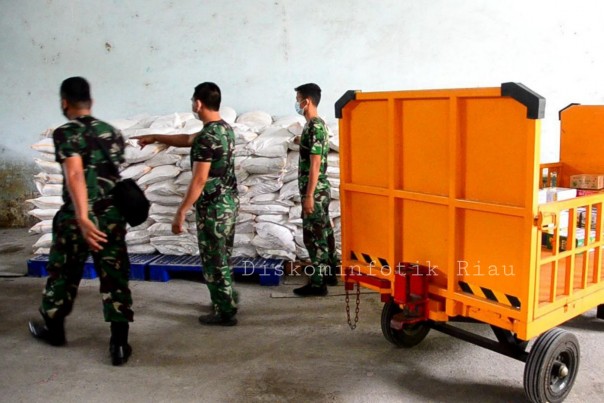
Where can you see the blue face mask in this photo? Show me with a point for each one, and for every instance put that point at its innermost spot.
(299, 109)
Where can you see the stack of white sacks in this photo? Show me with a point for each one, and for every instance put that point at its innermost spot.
(266, 165)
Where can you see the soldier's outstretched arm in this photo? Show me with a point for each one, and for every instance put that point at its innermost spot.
(76, 184)
(175, 140)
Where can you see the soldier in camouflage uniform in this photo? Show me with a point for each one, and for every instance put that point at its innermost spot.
(87, 222)
(213, 191)
(315, 192)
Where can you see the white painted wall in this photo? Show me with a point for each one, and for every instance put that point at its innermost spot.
(145, 56)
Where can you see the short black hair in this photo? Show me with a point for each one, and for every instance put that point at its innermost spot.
(310, 90)
(76, 91)
(209, 94)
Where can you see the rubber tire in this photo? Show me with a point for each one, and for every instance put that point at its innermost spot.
(537, 371)
(409, 336)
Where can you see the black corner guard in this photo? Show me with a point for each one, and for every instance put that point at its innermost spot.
(348, 96)
(565, 108)
(535, 103)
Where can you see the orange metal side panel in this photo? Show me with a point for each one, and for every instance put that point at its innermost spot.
(445, 179)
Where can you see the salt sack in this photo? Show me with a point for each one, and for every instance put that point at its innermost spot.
(163, 229)
(263, 165)
(147, 249)
(289, 120)
(47, 202)
(277, 235)
(43, 227)
(44, 241)
(134, 154)
(243, 134)
(163, 188)
(228, 114)
(48, 167)
(159, 174)
(271, 143)
(184, 244)
(45, 145)
(137, 237)
(245, 251)
(163, 158)
(264, 209)
(255, 120)
(135, 171)
(43, 214)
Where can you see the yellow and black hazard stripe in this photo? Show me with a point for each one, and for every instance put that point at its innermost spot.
(367, 258)
(489, 294)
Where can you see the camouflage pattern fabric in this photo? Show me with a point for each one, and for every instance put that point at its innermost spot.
(317, 229)
(319, 238)
(68, 254)
(69, 250)
(313, 141)
(71, 140)
(216, 211)
(216, 233)
(216, 144)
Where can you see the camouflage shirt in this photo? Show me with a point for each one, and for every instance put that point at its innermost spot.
(216, 144)
(74, 139)
(313, 141)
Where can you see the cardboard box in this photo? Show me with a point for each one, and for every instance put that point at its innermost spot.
(587, 181)
(547, 238)
(587, 192)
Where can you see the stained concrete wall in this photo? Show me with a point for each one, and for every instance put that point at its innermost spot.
(145, 56)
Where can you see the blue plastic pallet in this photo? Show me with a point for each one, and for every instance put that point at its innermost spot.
(36, 267)
(269, 271)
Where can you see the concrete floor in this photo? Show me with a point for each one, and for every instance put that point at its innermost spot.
(284, 349)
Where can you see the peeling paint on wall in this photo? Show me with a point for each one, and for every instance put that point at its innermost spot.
(16, 186)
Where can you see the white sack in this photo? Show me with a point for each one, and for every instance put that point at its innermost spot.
(47, 202)
(43, 227)
(264, 209)
(263, 165)
(243, 239)
(43, 214)
(255, 120)
(163, 158)
(184, 244)
(245, 228)
(174, 200)
(135, 171)
(228, 114)
(134, 154)
(277, 235)
(245, 251)
(145, 248)
(160, 229)
(163, 188)
(271, 143)
(43, 242)
(159, 174)
(137, 237)
(48, 167)
(45, 145)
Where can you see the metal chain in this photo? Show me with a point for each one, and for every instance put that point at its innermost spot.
(352, 324)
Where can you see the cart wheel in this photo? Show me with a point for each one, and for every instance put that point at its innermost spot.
(551, 367)
(409, 335)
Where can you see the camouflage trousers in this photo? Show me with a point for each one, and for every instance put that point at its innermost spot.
(216, 234)
(68, 255)
(319, 238)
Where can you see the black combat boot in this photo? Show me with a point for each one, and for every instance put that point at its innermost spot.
(52, 331)
(219, 319)
(310, 290)
(118, 344)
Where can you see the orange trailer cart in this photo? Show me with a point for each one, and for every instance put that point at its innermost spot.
(440, 209)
